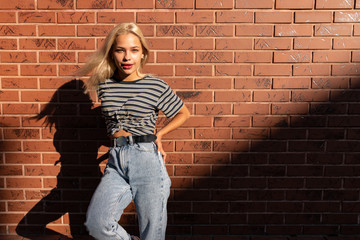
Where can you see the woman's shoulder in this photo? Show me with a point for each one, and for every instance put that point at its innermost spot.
(149, 79)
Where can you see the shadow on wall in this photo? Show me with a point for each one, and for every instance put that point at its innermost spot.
(79, 132)
(298, 176)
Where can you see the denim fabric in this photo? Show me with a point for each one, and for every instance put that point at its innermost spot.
(134, 172)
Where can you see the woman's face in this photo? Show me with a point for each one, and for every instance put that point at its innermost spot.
(127, 54)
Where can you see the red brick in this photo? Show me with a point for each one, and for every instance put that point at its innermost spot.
(293, 56)
(334, 4)
(194, 17)
(17, 4)
(198, 122)
(174, 31)
(272, 96)
(14, 108)
(356, 30)
(355, 56)
(18, 57)
(346, 70)
(36, 17)
(233, 70)
(94, 4)
(192, 170)
(67, 57)
(76, 44)
(270, 121)
(76, 17)
(233, 96)
(37, 43)
(251, 108)
(309, 96)
(10, 121)
(17, 30)
(161, 70)
(252, 83)
(273, 17)
(21, 133)
(212, 133)
(311, 70)
(190, 146)
(293, 30)
(8, 70)
(7, 17)
(254, 4)
(37, 146)
(312, 43)
(42, 170)
(251, 133)
(155, 17)
(234, 17)
(115, 17)
(211, 83)
(23, 182)
(8, 44)
(254, 30)
(194, 44)
(326, 83)
(9, 96)
(214, 57)
(290, 108)
(272, 70)
(290, 4)
(333, 30)
(233, 44)
(313, 17)
(175, 57)
(231, 146)
(23, 158)
(38, 70)
(214, 4)
(193, 70)
(180, 83)
(57, 30)
(93, 30)
(293, 82)
(134, 4)
(334, 56)
(213, 109)
(54, 4)
(195, 96)
(273, 44)
(347, 16)
(36, 96)
(215, 31)
(347, 43)
(253, 57)
(171, 4)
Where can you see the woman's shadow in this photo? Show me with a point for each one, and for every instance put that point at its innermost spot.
(79, 133)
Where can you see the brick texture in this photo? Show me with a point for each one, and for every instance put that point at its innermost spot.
(271, 150)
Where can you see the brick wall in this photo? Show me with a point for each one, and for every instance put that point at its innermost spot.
(272, 147)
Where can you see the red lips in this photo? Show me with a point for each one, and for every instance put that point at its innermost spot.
(126, 66)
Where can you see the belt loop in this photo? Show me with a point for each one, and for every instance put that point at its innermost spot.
(131, 140)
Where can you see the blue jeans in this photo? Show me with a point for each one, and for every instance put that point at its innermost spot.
(133, 172)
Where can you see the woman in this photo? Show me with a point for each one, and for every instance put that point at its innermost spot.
(130, 102)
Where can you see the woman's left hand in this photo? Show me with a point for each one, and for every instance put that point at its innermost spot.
(160, 147)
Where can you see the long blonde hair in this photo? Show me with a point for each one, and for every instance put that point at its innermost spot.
(101, 65)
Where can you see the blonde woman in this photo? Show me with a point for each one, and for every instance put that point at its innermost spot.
(130, 102)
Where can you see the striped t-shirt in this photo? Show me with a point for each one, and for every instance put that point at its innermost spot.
(133, 106)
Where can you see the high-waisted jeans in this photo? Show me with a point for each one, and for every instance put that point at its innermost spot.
(133, 172)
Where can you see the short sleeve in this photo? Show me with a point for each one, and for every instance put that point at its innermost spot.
(169, 103)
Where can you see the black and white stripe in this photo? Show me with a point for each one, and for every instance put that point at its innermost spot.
(134, 105)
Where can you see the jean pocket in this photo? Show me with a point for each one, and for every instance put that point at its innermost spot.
(145, 147)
